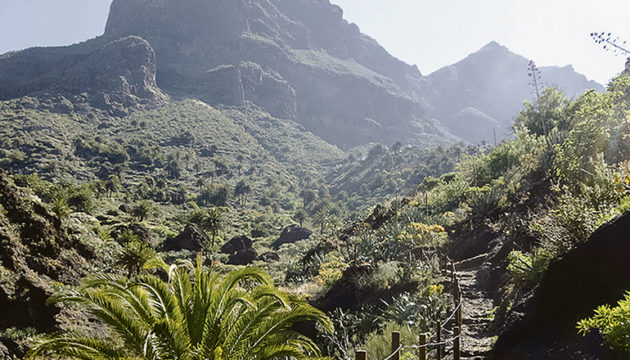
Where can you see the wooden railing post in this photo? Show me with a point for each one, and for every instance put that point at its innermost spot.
(453, 277)
(360, 355)
(458, 314)
(395, 345)
(456, 343)
(438, 339)
(456, 291)
(422, 349)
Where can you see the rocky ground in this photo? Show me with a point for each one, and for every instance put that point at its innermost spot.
(477, 310)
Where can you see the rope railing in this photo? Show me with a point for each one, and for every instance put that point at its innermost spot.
(437, 343)
(452, 314)
(395, 353)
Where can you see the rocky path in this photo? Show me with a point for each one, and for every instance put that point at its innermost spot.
(477, 311)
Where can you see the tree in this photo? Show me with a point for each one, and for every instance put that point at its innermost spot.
(112, 185)
(242, 189)
(195, 315)
(212, 220)
(322, 218)
(136, 256)
(143, 210)
(546, 115)
(200, 182)
(308, 196)
(300, 216)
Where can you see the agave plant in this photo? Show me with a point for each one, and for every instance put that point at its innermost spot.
(197, 314)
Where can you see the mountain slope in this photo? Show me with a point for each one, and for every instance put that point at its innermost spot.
(297, 59)
(485, 91)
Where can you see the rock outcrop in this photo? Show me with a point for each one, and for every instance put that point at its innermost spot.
(236, 244)
(296, 59)
(269, 256)
(240, 250)
(595, 273)
(35, 249)
(114, 75)
(292, 234)
(191, 238)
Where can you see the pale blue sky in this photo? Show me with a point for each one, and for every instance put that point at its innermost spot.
(428, 33)
(434, 33)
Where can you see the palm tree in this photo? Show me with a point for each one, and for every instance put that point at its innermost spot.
(136, 256)
(195, 315)
(213, 221)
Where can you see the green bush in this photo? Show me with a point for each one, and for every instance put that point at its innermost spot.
(529, 268)
(613, 323)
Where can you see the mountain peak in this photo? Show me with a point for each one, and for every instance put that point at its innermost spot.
(492, 45)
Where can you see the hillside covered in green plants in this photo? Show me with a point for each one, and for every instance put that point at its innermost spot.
(264, 181)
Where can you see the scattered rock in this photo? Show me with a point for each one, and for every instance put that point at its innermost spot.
(292, 234)
(238, 243)
(191, 238)
(269, 257)
(243, 257)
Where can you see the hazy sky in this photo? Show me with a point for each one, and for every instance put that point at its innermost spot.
(434, 33)
(428, 33)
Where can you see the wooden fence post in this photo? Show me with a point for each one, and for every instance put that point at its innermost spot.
(458, 314)
(456, 343)
(422, 350)
(395, 345)
(360, 355)
(456, 290)
(438, 339)
(453, 277)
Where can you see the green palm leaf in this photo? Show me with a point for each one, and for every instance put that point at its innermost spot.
(197, 314)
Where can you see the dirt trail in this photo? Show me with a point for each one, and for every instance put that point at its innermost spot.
(477, 310)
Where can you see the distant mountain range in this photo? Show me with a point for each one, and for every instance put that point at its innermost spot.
(299, 60)
(479, 96)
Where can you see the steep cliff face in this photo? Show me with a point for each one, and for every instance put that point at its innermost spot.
(35, 249)
(311, 65)
(115, 75)
(484, 92)
(593, 274)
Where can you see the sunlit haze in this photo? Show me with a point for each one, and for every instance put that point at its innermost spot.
(433, 33)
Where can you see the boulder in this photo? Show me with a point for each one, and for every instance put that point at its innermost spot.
(243, 257)
(292, 234)
(593, 274)
(26, 306)
(191, 238)
(237, 244)
(269, 256)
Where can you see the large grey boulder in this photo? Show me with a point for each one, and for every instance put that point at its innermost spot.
(292, 234)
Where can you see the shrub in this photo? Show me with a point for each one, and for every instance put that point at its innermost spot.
(378, 343)
(485, 199)
(613, 323)
(529, 268)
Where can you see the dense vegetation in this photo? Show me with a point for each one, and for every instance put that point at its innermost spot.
(144, 195)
